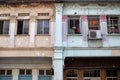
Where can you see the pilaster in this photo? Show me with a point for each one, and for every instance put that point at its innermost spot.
(32, 30)
(103, 74)
(35, 74)
(58, 64)
(12, 30)
(58, 35)
(15, 74)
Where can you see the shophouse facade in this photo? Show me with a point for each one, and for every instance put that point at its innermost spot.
(26, 40)
(60, 40)
(87, 45)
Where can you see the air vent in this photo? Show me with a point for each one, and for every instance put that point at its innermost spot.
(43, 14)
(23, 14)
(4, 15)
(95, 34)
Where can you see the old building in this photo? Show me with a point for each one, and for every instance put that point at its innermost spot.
(26, 39)
(87, 45)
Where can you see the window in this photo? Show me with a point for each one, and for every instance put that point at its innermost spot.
(112, 74)
(25, 72)
(5, 72)
(23, 27)
(72, 75)
(43, 26)
(4, 26)
(93, 22)
(92, 73)
(45, 72)
(113, 25)
(73, 25)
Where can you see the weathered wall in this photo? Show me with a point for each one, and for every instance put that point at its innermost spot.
(15, 40)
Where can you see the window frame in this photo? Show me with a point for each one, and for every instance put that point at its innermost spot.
(75, 30)
(42, 32)
(23, 27)
(25, 72)
(5, 29)
(109, 22)
(6, 72)
(112, 77)
(97, 19)
(72, 77)
(45, 72)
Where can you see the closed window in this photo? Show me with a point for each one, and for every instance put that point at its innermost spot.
(4, 26)
(23, 27)
(93, 22)
(73, 25)
(113, 25)
(43, 26)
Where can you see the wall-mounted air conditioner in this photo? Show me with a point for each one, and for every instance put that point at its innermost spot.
(95, 34)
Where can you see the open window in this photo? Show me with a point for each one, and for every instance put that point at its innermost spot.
(74, 25)
(93, 22)
(113, 24)
(23, 27)
(4, 26)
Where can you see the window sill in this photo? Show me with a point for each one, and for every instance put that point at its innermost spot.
(4, 35)
(42, 35)
(114, 34)
(74, 34)
(22, 35)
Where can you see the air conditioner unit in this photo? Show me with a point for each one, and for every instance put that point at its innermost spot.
(95, 34)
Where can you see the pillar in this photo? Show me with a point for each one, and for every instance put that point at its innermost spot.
(15, 74)
(58, 35)
(32, 30)
(58, 65)
(12, 30)
(80, 74)
(35, 73)
(103, 74)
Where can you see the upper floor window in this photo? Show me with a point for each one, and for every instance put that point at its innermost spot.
(43, 26)
(4, 26)
(23, 27)
(113, 24)
(73, 25)
(93, 22)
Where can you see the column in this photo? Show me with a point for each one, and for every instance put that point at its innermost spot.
(32, 30)
(12, 30)
(35, 73)
(58, 65)
(15, 74)
(80, 74)
(58, 35)
(103, 74)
